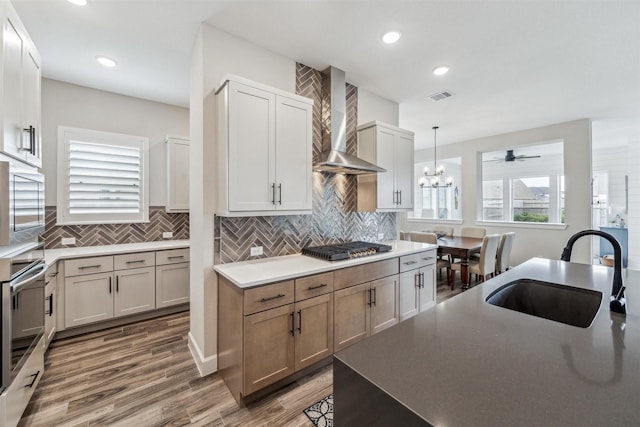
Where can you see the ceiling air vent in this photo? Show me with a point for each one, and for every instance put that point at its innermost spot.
(441, 95)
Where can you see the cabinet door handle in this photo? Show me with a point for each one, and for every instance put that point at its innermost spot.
(417, 280)
(422, 280)
(292, 325)
(273, 193)
(109, 284)
(321, 285)
(50, 298)
(84, 267)
(32, 140)
(370, 299)
(33, 381)
(279, 194)
(374, 296)
(272, 298)
(300, 321)
(138, 261)
(399, 197)
(117, 283)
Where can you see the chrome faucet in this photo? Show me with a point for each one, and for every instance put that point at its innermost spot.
(617, 302)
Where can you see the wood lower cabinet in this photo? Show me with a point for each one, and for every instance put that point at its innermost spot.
(365, 309)
(314, 330)
(268, 347)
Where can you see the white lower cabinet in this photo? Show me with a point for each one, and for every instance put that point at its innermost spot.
(88, 298)
(417, 283)
(107, 287)
(134, 291)
(172, 284)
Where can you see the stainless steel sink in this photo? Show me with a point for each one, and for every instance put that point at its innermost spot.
(561, 303)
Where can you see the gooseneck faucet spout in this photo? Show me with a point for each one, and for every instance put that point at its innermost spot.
(617, 303)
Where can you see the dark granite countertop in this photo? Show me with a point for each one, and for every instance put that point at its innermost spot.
(468, 363)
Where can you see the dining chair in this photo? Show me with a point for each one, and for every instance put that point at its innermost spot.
(418, 236)
(443, 229)
(504, 252)
(477, 232)
(485, 267)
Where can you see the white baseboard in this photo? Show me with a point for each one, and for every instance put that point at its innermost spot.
(205, 365)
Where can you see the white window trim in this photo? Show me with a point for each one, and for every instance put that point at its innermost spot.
(63, 216)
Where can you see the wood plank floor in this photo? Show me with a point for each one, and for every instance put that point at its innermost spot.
(143, 375)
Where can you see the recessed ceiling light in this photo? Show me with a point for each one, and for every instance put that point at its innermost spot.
(107, 62)
(78, 2)
(391, 37)
(441, 70)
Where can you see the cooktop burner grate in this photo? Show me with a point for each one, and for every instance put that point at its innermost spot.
(345, 250)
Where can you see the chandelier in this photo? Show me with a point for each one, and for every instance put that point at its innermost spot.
(433, 179)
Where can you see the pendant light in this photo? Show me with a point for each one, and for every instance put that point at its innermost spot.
(432, 179)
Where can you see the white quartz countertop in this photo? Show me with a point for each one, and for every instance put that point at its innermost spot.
(247, 274)
(52, 256)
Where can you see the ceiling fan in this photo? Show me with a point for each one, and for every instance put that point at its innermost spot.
(510, 157)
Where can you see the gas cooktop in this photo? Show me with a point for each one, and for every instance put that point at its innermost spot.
(347, 250)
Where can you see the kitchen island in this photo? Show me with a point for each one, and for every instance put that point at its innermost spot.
(468, 363)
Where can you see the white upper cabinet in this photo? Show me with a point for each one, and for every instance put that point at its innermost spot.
(392, 149)
(264, 150)
(177, 198)
(21, 79)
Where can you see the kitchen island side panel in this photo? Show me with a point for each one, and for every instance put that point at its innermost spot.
(377, 410)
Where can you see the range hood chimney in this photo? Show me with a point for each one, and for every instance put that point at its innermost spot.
(334, 157)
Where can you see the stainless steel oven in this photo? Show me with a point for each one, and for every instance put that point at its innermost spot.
(21, 203)
(22, 271)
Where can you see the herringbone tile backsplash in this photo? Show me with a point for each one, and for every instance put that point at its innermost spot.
(112, 234)
(334, 199)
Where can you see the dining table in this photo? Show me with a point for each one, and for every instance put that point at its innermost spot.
(463, 248)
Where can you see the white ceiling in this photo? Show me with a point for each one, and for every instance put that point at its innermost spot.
(514, 64)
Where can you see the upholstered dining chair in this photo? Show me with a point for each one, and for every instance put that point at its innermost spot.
(443, 229)
(477, 232)
(504, 252)
(418, 236)
(485, 267)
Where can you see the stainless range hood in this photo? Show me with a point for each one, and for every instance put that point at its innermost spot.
(334, 157)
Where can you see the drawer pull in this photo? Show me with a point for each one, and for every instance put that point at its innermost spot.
(410, 262)
(272, 298)
(176, 257)
(321, 285)
(428, 258)
(135, 262)
(84, 267)
(33, 381)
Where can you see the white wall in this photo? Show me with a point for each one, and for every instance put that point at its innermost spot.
(373, 107)
(82, 107)
(530, 242)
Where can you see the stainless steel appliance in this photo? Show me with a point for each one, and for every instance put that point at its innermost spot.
(345, 250)
(22, 271)
(21, 203)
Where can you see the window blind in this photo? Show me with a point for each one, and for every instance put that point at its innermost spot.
(103, 179)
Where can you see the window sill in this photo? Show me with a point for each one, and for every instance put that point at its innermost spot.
(435, 221)
(517, 224)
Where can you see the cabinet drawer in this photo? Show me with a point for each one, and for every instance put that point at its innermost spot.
(409, 262)
(268, 296)
(427, 258)
(311, 286)
(76, 267)
(364, 273)
(172, 256)
(135, 260)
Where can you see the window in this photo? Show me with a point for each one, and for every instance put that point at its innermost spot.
(102, 177)
(524, 185)
(438, 202)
